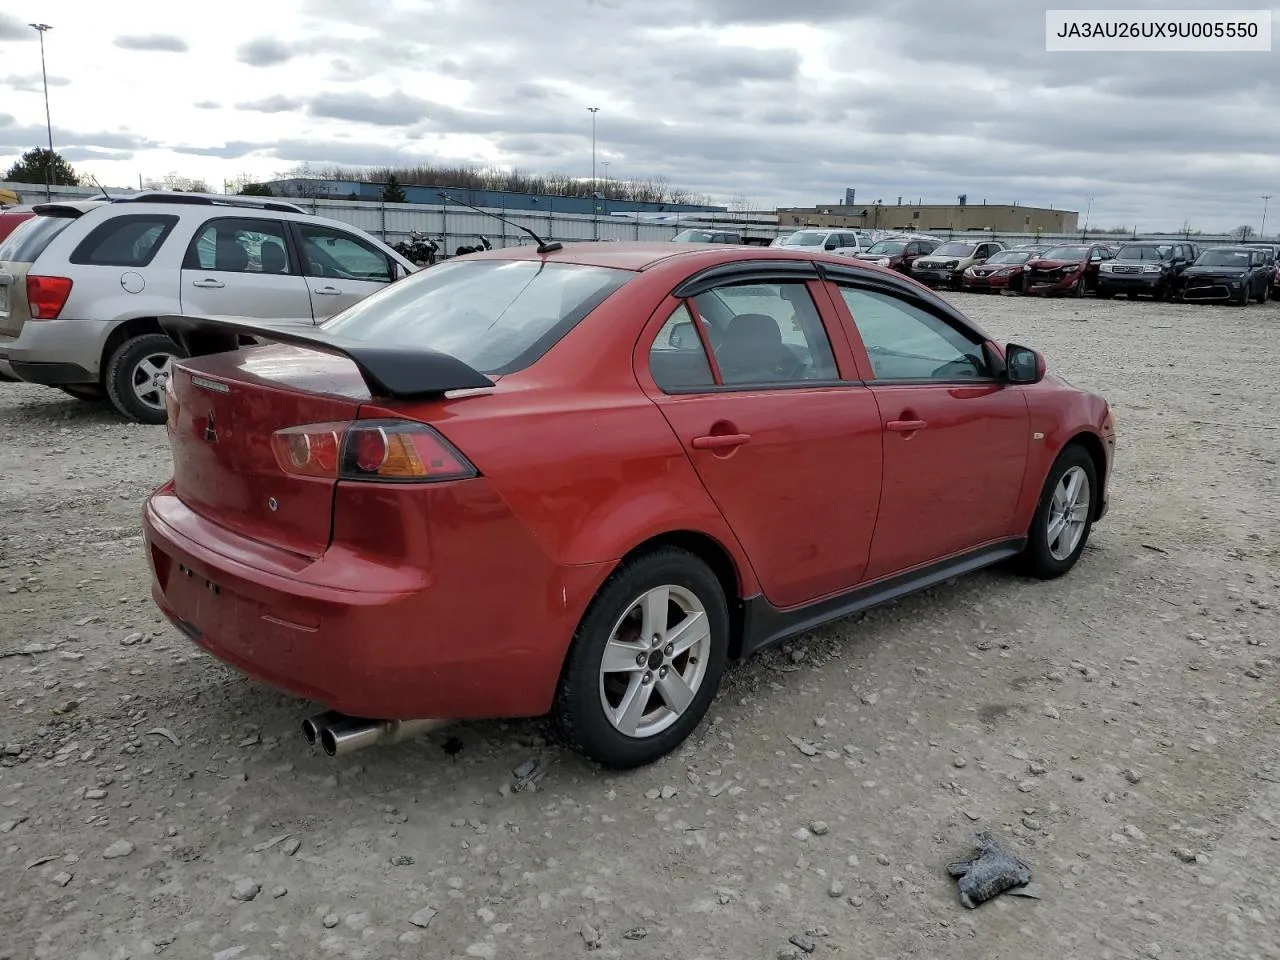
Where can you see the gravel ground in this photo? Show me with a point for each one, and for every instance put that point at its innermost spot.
(1119, 729)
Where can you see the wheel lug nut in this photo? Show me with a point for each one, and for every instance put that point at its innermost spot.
(648, 678)
(671, 648)
(640, 659)
(662, 673)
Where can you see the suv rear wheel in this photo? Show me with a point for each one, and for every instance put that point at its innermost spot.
(136, 376)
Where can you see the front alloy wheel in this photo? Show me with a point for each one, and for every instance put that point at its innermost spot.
(1064, 516)
(646, 661)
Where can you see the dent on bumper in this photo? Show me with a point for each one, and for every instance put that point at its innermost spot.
(408, 650)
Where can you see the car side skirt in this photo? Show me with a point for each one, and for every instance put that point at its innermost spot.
(764, 625)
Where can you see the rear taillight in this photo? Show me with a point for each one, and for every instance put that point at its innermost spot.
(46, 296)
(397, 451)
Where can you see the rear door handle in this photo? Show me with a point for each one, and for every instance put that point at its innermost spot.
(720, 441)
(327, 291)
(209, 284)
(906, 426)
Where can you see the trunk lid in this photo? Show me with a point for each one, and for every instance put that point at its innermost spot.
(228, 406)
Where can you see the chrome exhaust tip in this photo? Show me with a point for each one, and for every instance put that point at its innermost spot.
(339, 735)
(312, 726)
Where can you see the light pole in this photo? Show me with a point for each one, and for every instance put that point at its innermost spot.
(1087, 210)
(593, 111)
(1262, 234)
(605, 164)
(40, 28)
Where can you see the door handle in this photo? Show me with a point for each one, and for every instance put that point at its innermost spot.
(720, 441)
(906, 426)
(327, 291)
(209, 284)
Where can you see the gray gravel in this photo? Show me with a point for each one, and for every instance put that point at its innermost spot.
(1119, 729)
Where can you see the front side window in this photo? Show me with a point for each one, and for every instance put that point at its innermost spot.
(497, 316)
(905, 342)
(132, 240)
(341, 256)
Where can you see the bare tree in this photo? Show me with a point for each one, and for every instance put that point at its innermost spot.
(1243, 232)
(511, 180)
(176, 181)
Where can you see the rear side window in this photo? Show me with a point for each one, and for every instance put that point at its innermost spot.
(132, 240)
(29, 239)
(677, 359)
(497, 316)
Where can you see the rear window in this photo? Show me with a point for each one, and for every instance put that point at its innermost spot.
(497, 316)
(126, 241)
(29, 239)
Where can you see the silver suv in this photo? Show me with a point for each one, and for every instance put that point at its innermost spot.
(82, 283)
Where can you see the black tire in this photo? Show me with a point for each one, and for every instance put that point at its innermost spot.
(1037, 560)
(1243, 299)
(578, 715)
(88, 392)
(1262, 297)
(1078, 289)
(124, 367)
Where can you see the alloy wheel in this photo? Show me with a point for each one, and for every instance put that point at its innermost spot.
(655, 661)
(150, 376)
(1068, 513)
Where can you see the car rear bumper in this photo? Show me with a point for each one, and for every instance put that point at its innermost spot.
(415, 646)
(56, 352)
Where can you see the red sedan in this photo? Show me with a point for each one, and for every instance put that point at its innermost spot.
(1069, 270)
(1001, 272)
(582, 481)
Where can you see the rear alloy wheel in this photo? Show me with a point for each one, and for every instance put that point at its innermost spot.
(137, 374)
(646, 661)
(88, 392)
(1064, 516)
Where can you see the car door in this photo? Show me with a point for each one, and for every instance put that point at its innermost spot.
(340, 267)
(244, 267)
(955, 439)
(782, 434)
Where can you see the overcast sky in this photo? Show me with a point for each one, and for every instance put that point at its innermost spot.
(779, 102)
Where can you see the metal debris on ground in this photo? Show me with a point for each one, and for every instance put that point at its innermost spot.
(989, 874)
(530, 773)
(166, 733)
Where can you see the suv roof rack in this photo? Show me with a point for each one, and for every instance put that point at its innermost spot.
(209, 199)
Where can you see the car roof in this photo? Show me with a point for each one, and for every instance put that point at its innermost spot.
(630, 255)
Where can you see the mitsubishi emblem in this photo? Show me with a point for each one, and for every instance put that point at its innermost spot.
(210, 432)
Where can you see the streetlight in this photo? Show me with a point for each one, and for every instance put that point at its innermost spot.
(40, 28)
(593, 111)
(605, 164)
(1262, 234)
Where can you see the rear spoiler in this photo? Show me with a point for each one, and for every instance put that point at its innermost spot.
(397, 373)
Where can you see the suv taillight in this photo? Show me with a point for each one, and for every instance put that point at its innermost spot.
(46, 296)
(395, 451)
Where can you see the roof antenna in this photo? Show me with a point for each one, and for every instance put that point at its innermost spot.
(100, 187)
(544, 246)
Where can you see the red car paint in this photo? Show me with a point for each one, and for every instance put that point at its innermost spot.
(12, 217)
(1050, 275)
(459, 599)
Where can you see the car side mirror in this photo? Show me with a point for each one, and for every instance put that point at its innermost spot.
(682, 337)
(1022, 365)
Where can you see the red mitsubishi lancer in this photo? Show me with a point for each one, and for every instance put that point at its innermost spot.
(580, 480)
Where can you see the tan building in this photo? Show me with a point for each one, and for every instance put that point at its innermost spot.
(1002, 218)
